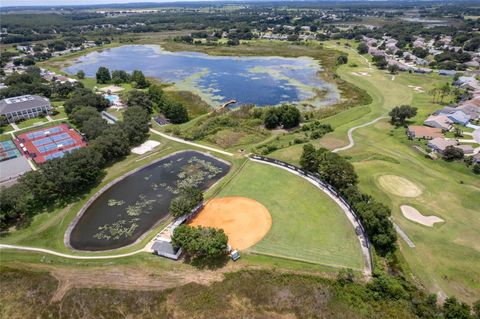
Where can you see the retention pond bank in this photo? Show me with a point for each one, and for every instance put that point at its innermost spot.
(125, 210)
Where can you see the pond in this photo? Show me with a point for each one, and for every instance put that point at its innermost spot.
(133, 205)
(217, 79)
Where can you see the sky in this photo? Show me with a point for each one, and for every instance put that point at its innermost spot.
(7, 3)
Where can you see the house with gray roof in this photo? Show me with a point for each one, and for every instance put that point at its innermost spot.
(439, 121)
(459, 117)
(439, 144)
(467, 149)
(18, 108)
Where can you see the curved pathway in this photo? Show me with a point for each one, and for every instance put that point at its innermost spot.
(51, 252)
(362, 238)
(350, 132)
(179, 140)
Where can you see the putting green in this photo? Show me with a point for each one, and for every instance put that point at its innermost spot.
(399, 186)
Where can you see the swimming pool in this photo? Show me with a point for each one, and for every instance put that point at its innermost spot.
(112, 98)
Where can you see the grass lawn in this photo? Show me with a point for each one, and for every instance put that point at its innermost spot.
(6, 128)
(306, 224)
(31, 122)
(446, 255)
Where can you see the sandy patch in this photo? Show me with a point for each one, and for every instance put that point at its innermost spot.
(414, 215)
(399, 186)
(418, 89)
(361, 73)
(145, 147)
(244, 220)
(111, 88)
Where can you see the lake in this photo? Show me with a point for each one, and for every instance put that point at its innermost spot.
(132, 206)
(217, 79)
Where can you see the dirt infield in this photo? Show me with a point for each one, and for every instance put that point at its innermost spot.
(244, 220)
(413, 214)
(399, 186)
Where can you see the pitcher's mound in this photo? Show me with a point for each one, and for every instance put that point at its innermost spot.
(399, 186)
(244, 220)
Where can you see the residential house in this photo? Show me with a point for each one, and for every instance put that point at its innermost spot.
(439, 121)
(447, 72)
(439, 144)
(445, 110)
(459, 117)
(470, 109)
(467, 149)
(476, 158)
(416, 131)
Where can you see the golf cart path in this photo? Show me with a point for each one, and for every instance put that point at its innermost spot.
(350, 134)
(179, 140)
(362, 238)
(51, 252)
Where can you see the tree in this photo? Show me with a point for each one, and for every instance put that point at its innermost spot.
(186, 201)
(342, 59)
(452, 309)
(103, 75)
(81, 75)
(309, 159)
(399, 114)
(200, 242)
(335, 170)
(120, 76)
(476, 168)
(136, 125)
(139, 79)
(140, 99)
(156, 94)
(452, 153)
(445, 91)
(393, 68)
(175, 112)
(271, 119)
(85, 97)
(380, 61)
(112, 144)
(289, 116)
(362, 48)
(476, 309)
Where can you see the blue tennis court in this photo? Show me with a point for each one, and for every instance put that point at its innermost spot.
(9, 154)
(51, 130)
(7, 145)
(50, 139)
(54, 155)
(52, 146)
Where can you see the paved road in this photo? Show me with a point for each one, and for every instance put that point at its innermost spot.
(360, 235)
(51, 252)
(350, 133)
(179, 140)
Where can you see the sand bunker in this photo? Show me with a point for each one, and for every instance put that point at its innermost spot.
(399, 186)
(145, 147)
(244, 220)
(414, 215)
(361, 73)
(418, 89)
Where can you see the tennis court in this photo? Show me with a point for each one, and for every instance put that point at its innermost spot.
(49, 143)
(8, 150)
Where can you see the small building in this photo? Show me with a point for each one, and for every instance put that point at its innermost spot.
(24, 107)
(440, 144)
(165, 248)
(459, 117)
(467, 149)
(446, 110)
(416, 131)
(439, 121)
(447, 72)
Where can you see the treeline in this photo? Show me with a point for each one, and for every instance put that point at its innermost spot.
(62, 180)
(338, 172)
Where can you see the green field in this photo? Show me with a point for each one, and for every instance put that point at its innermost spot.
(306, 224)
(446, 257)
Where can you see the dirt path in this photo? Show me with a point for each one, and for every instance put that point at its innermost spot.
(179, 140)
(51, 252)
(350, 134)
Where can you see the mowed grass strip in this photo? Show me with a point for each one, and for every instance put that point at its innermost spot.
(306, 224)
